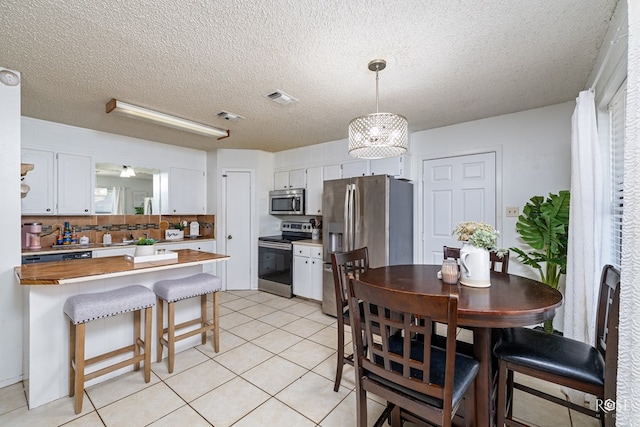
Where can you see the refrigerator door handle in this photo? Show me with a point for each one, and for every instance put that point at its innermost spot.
(355, 221)
(347, 196)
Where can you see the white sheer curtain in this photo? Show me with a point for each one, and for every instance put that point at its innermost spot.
(585, 224)
(117, 201)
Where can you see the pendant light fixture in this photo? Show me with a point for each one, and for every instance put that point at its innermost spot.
(378, 135)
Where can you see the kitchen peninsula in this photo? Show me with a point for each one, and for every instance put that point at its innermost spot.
(46, 332)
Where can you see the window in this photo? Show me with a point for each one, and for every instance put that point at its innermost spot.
(617, 113)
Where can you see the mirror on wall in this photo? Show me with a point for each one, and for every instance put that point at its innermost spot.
(124, 189)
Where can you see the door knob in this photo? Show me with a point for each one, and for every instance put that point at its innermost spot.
(229, 237)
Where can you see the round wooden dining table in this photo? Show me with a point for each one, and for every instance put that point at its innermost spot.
(510, 301)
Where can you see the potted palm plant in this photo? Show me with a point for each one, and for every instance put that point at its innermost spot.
(544, 226)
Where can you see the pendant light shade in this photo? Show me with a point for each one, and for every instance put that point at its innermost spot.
(378, 135)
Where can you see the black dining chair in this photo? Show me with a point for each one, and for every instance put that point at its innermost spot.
(564, 361)
(421, 383)
(345, 265)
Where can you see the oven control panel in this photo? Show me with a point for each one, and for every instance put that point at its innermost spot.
(303, 227)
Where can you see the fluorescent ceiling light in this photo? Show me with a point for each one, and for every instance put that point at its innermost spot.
(134, 111)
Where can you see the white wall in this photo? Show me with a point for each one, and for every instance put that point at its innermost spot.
(10, 290)
(535, 147)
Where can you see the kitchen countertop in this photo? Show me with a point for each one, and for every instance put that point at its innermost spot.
(82, 270)
(308, 242)
(100, 246)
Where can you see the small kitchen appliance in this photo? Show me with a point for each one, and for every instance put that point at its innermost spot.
(31, 235)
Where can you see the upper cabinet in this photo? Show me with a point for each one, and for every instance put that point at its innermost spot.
(314, 191)
(187, 192)
(40, 199)
(397, 167)
(75, 178)
(59, 183)
(357, 168)
(285, 180)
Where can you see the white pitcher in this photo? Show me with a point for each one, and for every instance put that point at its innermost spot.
(476, 267)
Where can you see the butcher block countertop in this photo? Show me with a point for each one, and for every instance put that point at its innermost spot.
(81, 270)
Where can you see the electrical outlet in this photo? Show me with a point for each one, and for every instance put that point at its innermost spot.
(513, 211)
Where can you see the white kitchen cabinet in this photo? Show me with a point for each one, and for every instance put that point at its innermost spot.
(314, 191)
(307, 271)
(357, 168)
(330, 172)
(41, 197)
(397, 167)
(284, 180)
(187, 192)
(59, 183)
(75, 184)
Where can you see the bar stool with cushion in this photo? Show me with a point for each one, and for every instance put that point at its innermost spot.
(564, 361)
(175, 290)
(84, 308)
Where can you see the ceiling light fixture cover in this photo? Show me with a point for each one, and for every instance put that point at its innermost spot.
(142, 113)
(378, 135)
(127, 172)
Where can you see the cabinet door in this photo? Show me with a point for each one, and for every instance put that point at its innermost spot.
(187, 191)
(281, 180)
(301, 283)
(314, 191)
(40, 199)
(396, 167)
(75, 184)
(353, 169)
(331, 172)
(297, 178)
(315, 279)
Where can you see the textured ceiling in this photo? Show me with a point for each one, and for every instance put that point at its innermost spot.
(449, 61)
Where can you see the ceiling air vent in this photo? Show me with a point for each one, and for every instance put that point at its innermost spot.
(229, 116)
(281, 98)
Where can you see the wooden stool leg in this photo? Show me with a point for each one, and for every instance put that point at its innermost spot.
(79, 380)
(171, 334)
(147, 344)
(72, 359)
(159, 328)
(216, 318)
(136, 338)
(203, 317)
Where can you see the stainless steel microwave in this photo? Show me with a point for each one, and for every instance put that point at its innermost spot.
(286, 202)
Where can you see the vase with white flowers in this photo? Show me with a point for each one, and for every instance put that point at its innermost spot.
(478, 239)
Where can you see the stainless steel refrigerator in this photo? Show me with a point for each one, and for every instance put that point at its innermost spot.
(373, 211)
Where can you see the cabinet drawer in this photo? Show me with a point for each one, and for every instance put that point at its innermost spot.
(301, 250)
(316, 252)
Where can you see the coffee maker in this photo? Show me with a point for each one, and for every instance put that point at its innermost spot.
(31, 235)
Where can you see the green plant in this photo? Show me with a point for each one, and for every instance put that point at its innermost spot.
(178, 226)
(544, 226)
(479, 234)
(139, 210)
(145, 241)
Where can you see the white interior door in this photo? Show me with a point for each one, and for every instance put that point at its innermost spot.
(456, 189)
(237, 229)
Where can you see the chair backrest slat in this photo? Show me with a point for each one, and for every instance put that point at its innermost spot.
(609, 297)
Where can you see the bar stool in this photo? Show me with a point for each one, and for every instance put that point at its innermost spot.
(175, 290)
(84, 308)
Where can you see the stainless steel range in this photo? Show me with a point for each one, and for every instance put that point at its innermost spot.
(275, 258)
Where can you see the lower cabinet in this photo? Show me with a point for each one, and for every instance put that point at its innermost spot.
(307, 271)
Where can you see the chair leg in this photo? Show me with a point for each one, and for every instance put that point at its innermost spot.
(470, 406)
(136, 338)
(361, 407)
(147, 343)
(340, 358)
(216, 322)
(79, 375)
(72, 359)
(501, 406)
(171, 334)
(159, 328)
(203, 316)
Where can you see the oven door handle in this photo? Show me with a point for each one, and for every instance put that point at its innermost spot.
(270, 245)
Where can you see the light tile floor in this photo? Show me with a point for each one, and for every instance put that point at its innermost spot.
(275, 367)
